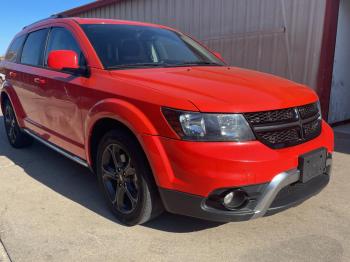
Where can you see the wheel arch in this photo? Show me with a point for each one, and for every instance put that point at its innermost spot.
(100, 128)
(3, 97)
(9, 93)
(114, 113)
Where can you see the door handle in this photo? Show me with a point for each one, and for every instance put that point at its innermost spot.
(12, 74)
(39, 81)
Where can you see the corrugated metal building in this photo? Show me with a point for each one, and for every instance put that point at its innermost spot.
(289, 38)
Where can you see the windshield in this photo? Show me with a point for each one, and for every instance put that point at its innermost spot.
(130, 46)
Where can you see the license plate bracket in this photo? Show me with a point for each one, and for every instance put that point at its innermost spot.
(312, 164)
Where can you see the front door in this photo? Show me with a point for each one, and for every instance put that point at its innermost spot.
(60, 114)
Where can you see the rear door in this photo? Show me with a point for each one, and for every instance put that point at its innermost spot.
(9, 67)
(31, 61)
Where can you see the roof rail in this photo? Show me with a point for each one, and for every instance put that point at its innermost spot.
(58, 16)
(55, 16)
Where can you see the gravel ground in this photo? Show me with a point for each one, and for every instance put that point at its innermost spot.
(51, 210)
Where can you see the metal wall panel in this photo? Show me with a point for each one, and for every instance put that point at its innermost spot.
(340, 94)
(281, 37)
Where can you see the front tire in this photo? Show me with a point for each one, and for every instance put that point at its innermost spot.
(126, 180)
(16, 137)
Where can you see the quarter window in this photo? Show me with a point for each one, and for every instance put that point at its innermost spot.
(14, 49)
(61, 39)
(34, 46)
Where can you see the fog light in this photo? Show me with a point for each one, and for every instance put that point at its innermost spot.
(228, 198)
(234, 199)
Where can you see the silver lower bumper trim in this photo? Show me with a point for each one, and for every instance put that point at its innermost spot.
(278, 182)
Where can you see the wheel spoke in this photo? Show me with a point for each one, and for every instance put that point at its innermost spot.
(15, 129)
(12, 133)
(132, 199)
(130, 171)
(8, 116)
(119, 197)
(108, 174)
(8, 119)
(115, 157)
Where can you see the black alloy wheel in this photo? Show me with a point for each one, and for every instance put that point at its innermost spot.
(126, 179)
(119, 178)
(15, 135)
(11, 125)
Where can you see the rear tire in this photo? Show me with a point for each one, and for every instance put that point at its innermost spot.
(16, 137)
(126, 179)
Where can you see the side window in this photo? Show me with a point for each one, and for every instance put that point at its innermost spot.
(33, 48)
(14, 49)
(61, 39)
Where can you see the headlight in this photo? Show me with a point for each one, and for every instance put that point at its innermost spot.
(209, 127)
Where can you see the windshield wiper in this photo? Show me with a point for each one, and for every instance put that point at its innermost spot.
(194, 63)
(138, 65)
(143, 65)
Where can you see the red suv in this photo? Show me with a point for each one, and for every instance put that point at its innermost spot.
(163, 122)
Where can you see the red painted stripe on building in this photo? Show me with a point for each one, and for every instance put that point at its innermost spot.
(325, 72)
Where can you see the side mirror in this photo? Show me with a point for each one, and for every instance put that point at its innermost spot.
(218, 55)
(63, 59)
(68, 61)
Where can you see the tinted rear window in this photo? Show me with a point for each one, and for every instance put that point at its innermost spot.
(14, 49)
(33, 48)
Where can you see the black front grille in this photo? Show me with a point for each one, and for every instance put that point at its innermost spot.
(281, 136)
(312, 129)
(275, 116)
(286, 127)
(308, 110)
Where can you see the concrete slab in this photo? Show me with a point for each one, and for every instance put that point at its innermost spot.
(3, 254)
(344, 129)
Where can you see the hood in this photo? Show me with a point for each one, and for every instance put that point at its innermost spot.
(222, 89)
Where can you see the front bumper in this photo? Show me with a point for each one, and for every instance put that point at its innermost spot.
(199, 168)
(283, 192)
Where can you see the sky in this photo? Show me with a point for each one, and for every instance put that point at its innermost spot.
(15, 14)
